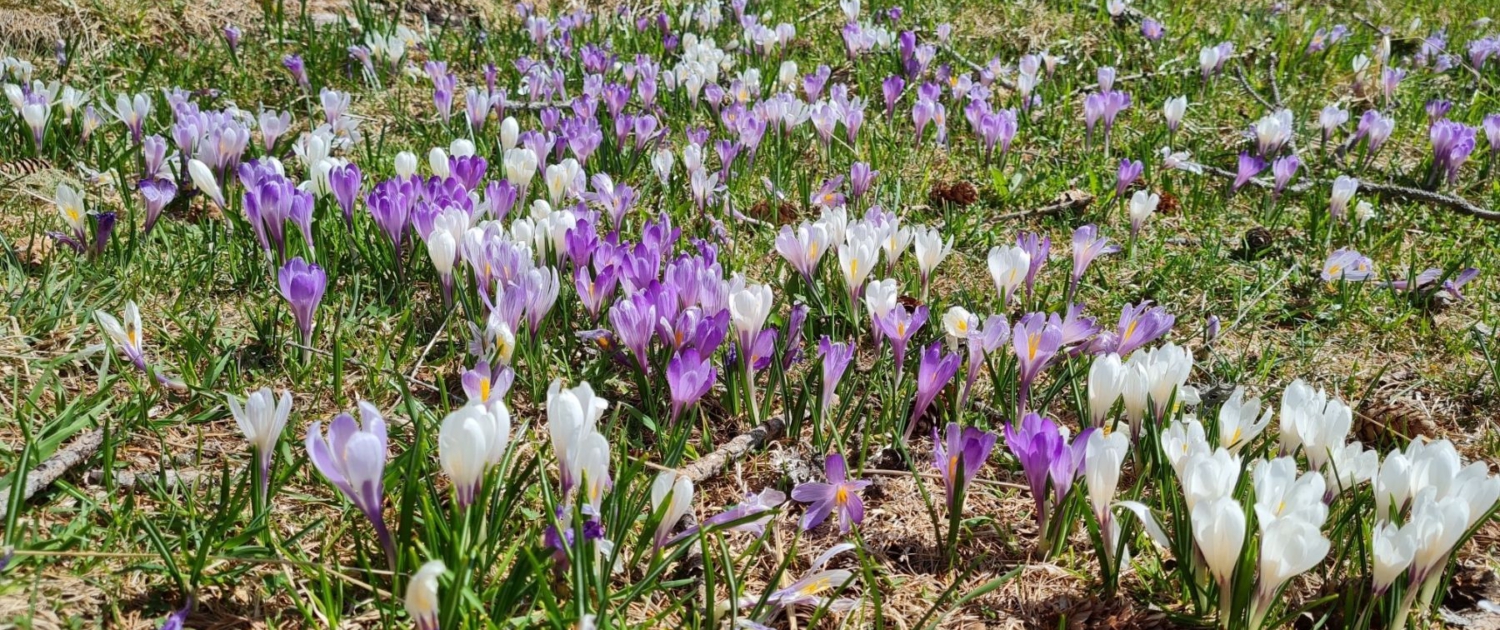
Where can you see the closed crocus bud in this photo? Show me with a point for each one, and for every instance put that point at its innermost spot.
(1104, 455)
(461, 147)
(1344, 188)
(520, 167)
(1106, 383)
(1008, 268)
(261, 419)
(1288, 548)
(787, 75)
(680, 489)
(422, 595)
(437, 162)
(406, 164)
(1219, 529)
(661, 164)
(509, 131)
(1142, 206)
(1173, 111)
(463, 449)
(1391, 551)
(203, 180)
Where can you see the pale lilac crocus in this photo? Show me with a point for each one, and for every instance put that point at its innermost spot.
(1330, 119)
(933, 373)
(1035, 342)
(485, 384)
(1139, 325)
(156, 193)
(1088, 245)
(1249, 166)
(1152, 30)
(1128, 172)
(1347, 265)
(1492, 133)
(996, 333)
(1452, 143)
(1344, 188)
(1037, 247)
(958, 454)
(840, 494)
(302, 285)
(836, 357)
(352, 458)
(294, 65)
(1284, 169)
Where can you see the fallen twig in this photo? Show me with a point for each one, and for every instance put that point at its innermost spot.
(1387, 191)
(1071, 200)
(1239, 75)
(737, 448)
(54, 467)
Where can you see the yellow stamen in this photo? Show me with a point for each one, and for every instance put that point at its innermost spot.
(841, 497)
(815, 587)
(1032, 341)
(484, 389)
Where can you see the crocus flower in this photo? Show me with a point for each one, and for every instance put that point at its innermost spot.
(294, 65)
(1313, 421)
(1452, 143)
(930, 251)
(958, 455)
(803, 247)
(1035, 342)
(261, 419)
(1152, 29)
(933, 373)
(1103, 456)
(1142, 205)
(1129, 171)
(422, 601)
(1035, 441)
(689, 377)
(1105, 384)
(1284, 168)
(840, 494)
(1392, 550)
(1492, 133)
(1139, 325)
(1347, 265)
(352, 458)
(1249, 166)
(302, 285)
(1088, 245)
(836, 357)
(129, 337)
(203, 179)
(484, 385)
(1330, 119)
(1344, 188)
(1219, 529)
(1008, 268)
(672, 496)
(900, 325)
(1173, 111)
(582, 452)
(471, 440)
(345, 182)
(156, 193)
(1037, 247)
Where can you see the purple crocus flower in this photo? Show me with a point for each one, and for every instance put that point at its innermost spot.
(1437, 109)
(1129, 172)
(352, 458)
(1492, 133)
(1067, 464)
(1139, 325)
(302, 285)
(390, 205)
(1152, 30)
(1093, 110)
(485, 384)
(1452, 143)
(104, 227)
(232, 38)
(1284, 169)
(813, 82)
(1390, 79)
(861, 176)
(634, 321)
(900, 325)
(981, 343)
(1087, 246)
(689, 376)
(792, 343)
(1035, 441)
(295, 66)
(1250, 166)
(1035, 341)
(839, 494)
(933, 373)
(836, 357)
(958, 455)
(156, 193)
(1037, 247)
(345, 182)
(891, 89)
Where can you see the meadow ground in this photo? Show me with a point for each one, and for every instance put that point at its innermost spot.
(550, 518)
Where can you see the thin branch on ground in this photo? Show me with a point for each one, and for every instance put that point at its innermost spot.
(1386, 191)
(734, 450)
(54, 467)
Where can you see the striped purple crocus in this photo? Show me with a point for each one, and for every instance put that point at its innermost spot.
(933, 373)
(1139, 325)
(958, 454)
(1088, 245)
(836, 357)
(302, 284)
(1035, 342)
